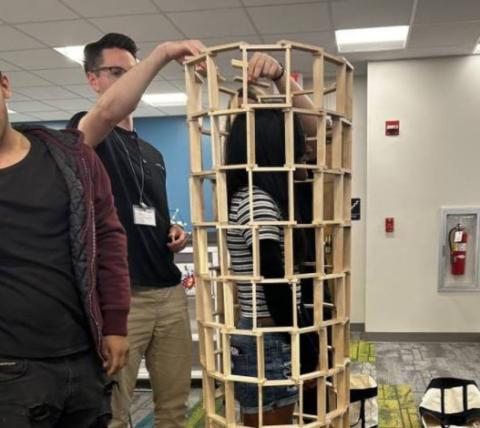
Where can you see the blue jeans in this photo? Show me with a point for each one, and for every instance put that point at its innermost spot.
(67, 392)
(277, 366)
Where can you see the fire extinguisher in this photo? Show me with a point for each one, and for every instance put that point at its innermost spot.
(457, 240)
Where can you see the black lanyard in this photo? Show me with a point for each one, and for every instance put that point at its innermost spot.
(139, 183)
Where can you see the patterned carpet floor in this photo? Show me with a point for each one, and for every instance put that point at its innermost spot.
(402, 370)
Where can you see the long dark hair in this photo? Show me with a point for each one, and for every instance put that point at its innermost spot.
(269, 152)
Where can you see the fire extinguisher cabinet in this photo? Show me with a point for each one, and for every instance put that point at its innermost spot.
(458, 253)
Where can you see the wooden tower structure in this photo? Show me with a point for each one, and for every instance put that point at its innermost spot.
(212, 101)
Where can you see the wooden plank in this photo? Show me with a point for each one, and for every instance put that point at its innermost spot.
(196, 156)
(346, 146)
(265, 47)
(318, 82)
(337, 249)
(347, 198)
(288, 250)
(258, 83)
(319, 240)
(237, 63)
(337, 144)
(318, 302)
(349, 94)
(226, 47)
(250, 123)
(226, 112)
(347, 239)
(270, 106)
(333, 59)
(321, 142)
(194, 91)
(228, 91)
(288, 73)
(303, 92)
(301, 46)
(341, 93)
(194, 60)
(338, 198)
(330, 89)
(307, 111)
(213, 91)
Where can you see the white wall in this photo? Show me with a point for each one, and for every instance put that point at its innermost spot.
(434, 162)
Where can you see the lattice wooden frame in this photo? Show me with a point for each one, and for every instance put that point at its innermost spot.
(215, 287)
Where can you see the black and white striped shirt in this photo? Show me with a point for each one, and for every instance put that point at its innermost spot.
(239, 242)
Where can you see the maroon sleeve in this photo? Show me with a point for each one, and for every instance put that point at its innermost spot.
(113, 279)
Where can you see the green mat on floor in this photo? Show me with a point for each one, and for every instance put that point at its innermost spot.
(362, 352)
(396, 407)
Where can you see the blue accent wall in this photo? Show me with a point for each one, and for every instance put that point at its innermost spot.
(170, 136)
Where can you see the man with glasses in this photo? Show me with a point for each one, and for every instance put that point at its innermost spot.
(158, 324)
(64, 283)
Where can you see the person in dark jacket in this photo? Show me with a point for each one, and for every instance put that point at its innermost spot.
(64, 280)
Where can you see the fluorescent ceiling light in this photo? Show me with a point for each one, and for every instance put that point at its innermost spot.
(75, 53)
(166, 100)
(372, 39)
(477, 49)
(11, 111)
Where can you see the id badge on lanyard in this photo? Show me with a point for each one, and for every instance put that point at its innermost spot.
(144, 215)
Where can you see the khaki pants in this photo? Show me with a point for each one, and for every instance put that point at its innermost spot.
(159, 329)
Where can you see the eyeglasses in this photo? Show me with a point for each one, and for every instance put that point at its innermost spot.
(114, 71)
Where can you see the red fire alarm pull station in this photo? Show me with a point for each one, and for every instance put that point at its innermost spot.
(392, 128)
(389, 225)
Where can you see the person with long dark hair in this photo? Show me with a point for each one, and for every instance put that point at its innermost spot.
(273, 301)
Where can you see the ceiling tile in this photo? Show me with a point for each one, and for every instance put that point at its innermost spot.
(145, 110)
(47, 93)
(172, 71)
(274, 2)
(291, 18)
(434, 11)
(78, 104)
(370, 13)
(36, 59)
(96, 9)
(5, 66)
(145, 48)
(179, 84)
(12, 39)
(409, 53)
(141, 28)
(53, 115)
(30, 106)
(22, 118)
(22, 79)
(63, 76)
(323, 39)
(83, 90)
(34, 11)
(424, 36)
(161, 86)
(62, 33)
(175, 111)
(184, 5)
(214, 41)
(213, 23)
(17, 96)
